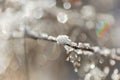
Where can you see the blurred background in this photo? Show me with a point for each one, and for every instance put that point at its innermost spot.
(90, 21)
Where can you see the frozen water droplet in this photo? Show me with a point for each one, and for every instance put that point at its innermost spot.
(96, 49)
(106, 70)
(86, 44)
(78, 51)
(67, 59)
(73, 44)
(87, 53)
(92, 66)
(63, 39)
(68, 49)
(105, 51)
(80, 45)
(76, 70)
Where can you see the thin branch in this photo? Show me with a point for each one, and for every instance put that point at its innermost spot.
(61, 39)
(78, 48)
(65, 41)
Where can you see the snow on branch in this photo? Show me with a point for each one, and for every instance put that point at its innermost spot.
(78, 48)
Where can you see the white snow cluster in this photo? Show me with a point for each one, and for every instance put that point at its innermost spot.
(63, 39)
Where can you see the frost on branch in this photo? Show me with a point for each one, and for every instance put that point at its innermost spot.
(63, 39)
(83, 56)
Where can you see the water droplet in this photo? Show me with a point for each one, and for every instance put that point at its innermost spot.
(112, 62)
(101, 61)
(106, 70)
(78, 51)
(62, 17)
(66, 5)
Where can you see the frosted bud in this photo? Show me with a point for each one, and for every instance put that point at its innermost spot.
(78, 51)
(63, 39)
(105, 51)
(73, 44)
(80, 45)
(51, 38)
(96, 49)
(44, 35)
(87, 45)
(87, 53)
(68, 49)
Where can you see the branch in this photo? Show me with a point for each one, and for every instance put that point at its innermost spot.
(78, 48)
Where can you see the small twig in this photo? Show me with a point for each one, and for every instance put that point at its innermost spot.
(66, 41)
(78, 48)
